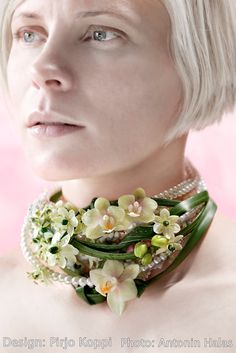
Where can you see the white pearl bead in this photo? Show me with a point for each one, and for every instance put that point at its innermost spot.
(163, 257)
(157, 260)
(68, 279)
(75, 281)
(90, 283)
(61, 277)
(54, 276)
(82, 281)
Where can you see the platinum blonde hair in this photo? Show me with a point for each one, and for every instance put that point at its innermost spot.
(203, 48)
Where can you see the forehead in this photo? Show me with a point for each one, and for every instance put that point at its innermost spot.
(135, 8)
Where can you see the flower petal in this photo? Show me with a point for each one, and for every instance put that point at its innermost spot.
(158, 228)
(159, 251)
(65, 240)
(91, 217)
(130, 272)
(179, 237)
(98, 278)
(51, 259)
(127, 289)
(173, 219)
(117, 212)
(61, 261)
(74, 221)
(69, 250)
(168, 232)
(56, 238)
(125, 200)
(176, 228)
(115, 302)
(164, 213)
(149, 203)
(113, 268)
(94, 232)
(147, 216)
(101, 204)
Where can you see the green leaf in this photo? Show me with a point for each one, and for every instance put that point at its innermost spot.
(141, 286)
(102, 246)
(90, 295)
(135, 235)
(190, 203)
(204, 222)
(139, 232)
(56, 196)
(166, 202)
(100, 254)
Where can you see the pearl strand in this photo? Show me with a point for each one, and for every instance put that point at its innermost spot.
(185, 186)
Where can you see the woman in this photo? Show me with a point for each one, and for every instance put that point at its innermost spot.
(104, 103)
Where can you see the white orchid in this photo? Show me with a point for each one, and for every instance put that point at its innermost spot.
(138, 207)
(116, 282)
(103, 219)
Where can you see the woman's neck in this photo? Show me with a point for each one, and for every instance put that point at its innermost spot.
(163, 169)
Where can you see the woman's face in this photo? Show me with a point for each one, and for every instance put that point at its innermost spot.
(111, 74)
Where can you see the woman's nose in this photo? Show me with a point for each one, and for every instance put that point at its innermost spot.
(49, 73)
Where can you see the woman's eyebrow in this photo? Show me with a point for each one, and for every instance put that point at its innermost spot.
(83, 14)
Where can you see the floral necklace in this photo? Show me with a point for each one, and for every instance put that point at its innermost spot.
(112, 250)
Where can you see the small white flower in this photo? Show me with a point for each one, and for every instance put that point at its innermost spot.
(60, 252)
(166, 224)
(64, 219)
(41, 274)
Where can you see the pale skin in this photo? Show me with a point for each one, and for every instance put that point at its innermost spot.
(117, 91)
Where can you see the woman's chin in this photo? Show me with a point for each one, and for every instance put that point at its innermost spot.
(57, 171)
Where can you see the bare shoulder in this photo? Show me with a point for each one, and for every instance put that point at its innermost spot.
(9, 261)
(215, 258)
(222, 222)
(223, 233)
(10, 265)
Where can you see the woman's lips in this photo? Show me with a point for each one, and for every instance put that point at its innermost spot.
(53, 129)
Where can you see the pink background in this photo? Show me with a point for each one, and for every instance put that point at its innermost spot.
(211, 150)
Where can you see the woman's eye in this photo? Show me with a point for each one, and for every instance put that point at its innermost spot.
(27, 36)
(102, 35)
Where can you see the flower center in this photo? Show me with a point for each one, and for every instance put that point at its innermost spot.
(135, 209)
(166, 223)
(54, 249)
(108, 223)
(107, 286)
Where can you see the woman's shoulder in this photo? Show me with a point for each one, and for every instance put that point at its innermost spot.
(222, 232)
(224, 222)
(215, 257)
(11, 259)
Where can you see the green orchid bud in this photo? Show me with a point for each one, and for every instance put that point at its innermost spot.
(147, 259)
(140, 249)
(159, 240)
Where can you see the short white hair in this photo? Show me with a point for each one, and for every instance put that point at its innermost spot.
(203, 48)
